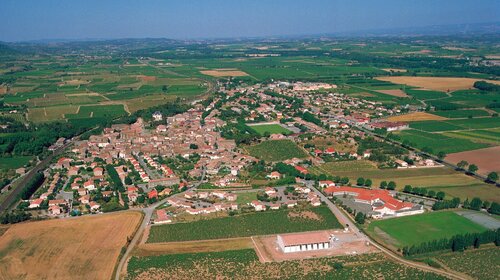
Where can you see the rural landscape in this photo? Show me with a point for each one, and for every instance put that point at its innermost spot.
(348, 155)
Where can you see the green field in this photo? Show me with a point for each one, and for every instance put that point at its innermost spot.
(107, 111)
(244, 264)
(452, 114)
(276, 150)
(352, 165)
(417, 229)
(458, 124)
(475, 189)
(14, 162)
(250, 224)
(491, 136)
(438, 142)
(270, 128)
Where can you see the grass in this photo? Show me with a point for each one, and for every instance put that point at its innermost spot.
(479, 136)
(244, 264)
(458, 124)
(270, 128)
(354, 165)
(14, 162)
(417, 229)
(246, 197)
(276, 150)
(250, 224)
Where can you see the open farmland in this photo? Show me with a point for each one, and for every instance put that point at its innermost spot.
(80, 248)
(276, 150)
(417, 229)
(457, 124)
(479, 189)
(415, 116)
(480, 264)
(488, 159)
(452, 114)
(490, 136)
(263, 223)
(14, 162)
(434, 83)
(270, 128)
(224, 73)
(438, 142)
(244, 264)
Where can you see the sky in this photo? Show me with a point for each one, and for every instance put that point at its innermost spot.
(23, 20)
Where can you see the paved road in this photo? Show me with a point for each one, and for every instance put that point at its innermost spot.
(148, 213)
(343, 219)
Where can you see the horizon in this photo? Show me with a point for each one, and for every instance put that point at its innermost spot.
(57, 20)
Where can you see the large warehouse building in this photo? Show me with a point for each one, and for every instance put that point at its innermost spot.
(299, 242)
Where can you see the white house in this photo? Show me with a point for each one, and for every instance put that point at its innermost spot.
(300, 242)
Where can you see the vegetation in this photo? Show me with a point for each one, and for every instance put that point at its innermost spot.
(268, 222)
(276, 150)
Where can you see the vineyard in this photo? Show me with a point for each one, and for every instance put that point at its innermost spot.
(245, 225)
(244, 264)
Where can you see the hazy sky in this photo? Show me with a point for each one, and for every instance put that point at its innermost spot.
(76, 19)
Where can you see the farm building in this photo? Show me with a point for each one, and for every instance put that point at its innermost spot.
(300, 242)
(381, 201)
(390, 126)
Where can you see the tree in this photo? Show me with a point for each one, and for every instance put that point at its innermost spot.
(360, 218)
(407, 189)
(383, 184)
(462, 164)
(391, 185)
(164, 88)
(128, 181)
(441, 155)
(472, 168)
(440, 195)
(368, 182)
(476, 203)
(361, 181)
(193, 146)
(494, 208)
(431, 193)
(493, 177)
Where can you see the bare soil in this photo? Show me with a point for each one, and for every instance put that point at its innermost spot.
(416, 116)
(487, 159)
(434, 83)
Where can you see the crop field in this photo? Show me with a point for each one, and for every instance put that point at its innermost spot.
(250, 224)
(276, 150)
(224, 73)
(217, 245)
(14, 162)
(452, 114)
(488, 159)
(475, 189)
(457, 124)
(417, 229)
(479, 263)
(83, 248)
(425, 94)
(422, 177)
(415, 116)
(438, 142)
(434, 83)
(270, 128)
(346, 166)
(244, 264)
(100, 111)
(491, 136)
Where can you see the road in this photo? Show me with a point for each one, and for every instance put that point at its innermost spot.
(345, 220)
(148, 213)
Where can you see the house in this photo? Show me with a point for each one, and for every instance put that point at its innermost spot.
(157, 116)
(57, 202)
(161, 128)
(98, 171)
(153, 194)
(231, 197)
(270, 191)
(132, 197)
(73, 171)
(326, 183)
(35, 203)
(89, 185)
(165, 191)
(274, 206)
(55, 210)
(401, 163)
(84, 199)
(315, 202)
(107, 193)
(94, 206)
(301, 169)
(291, 203)
(301, 189)
(162, 217)
(330, 151)
(258, 206)
(274, 175)
(299, 242)
(21, 171)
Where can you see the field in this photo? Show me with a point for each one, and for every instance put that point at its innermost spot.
(224, 73)
(276, 150)
(482, 190)
(457, 124)
(250, 224)
(270, 128)
(244, 264)
(393, 92)
(438, 142)
(434, 83)
(423, 177)
(416, 116)
(479, 264)
(487, 160)
(490, 136)
(80, 248)
(14, 162)
(452, 114)
(417, 229)
(154, 249)
(353, 165)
